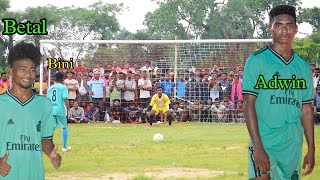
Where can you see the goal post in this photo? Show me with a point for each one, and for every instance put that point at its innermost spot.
(180, 55)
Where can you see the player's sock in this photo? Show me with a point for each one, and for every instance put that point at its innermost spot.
(65, 137)
(151, 119)
(170, 120)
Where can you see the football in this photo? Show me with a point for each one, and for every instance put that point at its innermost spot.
(158, 137)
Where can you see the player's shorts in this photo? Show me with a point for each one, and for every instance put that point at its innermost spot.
(284, 148)
(61, 121)
(158, 110)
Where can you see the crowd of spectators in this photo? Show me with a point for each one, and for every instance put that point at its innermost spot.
(121, 93)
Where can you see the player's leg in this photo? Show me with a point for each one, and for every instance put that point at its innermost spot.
(62, 122)
(55, 122)
(151, 115)
(169, 113)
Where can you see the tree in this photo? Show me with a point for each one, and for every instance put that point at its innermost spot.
(307, 49)
(4, 42)
(98, 21)
(312, 16)
(211, 18)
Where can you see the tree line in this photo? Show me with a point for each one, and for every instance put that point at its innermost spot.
(185, 19)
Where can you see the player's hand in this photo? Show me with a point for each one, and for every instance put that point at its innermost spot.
(4, 166)
(261, 160)
(55, 157)
(309, 162)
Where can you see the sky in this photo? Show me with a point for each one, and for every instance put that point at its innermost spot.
(133, 15)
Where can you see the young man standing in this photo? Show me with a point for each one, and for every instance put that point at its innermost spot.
(26, 120)
(277, 117)
(58, 94)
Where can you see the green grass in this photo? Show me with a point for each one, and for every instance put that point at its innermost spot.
(109, 151)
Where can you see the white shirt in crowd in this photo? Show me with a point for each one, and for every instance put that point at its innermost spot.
(146, 84)
(129, 95)
(71, 83)
(315, 82)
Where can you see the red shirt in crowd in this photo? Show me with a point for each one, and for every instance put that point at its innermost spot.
(80, 69)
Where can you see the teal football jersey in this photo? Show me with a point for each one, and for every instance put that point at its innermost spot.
(22, 128)
(57, 93)
(281, 87)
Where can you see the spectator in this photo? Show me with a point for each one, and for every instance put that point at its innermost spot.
(79, 68)
(82, 90)
(146, 67)
(204, 88)
(36, 86)
(167, 86)
(116, 111)
(72, 86)
(92, 114)
(132, 113)
(77, 114)
(107, 78)
(236, 90)
(195, 110)
(120, 83)
(129, 90)
(213, 87)
(217, 110)
(4, 83)
(85, 107)
(240, 74)
(192, 89)
(99, 69)
(228, 111)
(239, 112)
(183, 112)
(115, 67)
(181, 86)
(126, 68)
(231, 72)
(97, 91)
(145, 87)
(224, 86)
(197, 74)
(317, 105)
(315, 79)
(115, 92)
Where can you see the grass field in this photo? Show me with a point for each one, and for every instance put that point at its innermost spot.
(126, 151)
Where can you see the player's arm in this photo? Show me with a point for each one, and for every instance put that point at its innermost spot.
(252, 70)
(47, 146)
(308, 122)
(152, 103)
(251, 119)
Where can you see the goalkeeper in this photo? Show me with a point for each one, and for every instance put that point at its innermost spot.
(160, 103)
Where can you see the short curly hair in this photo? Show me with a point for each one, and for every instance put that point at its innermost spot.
(24, 50)
(282, 9)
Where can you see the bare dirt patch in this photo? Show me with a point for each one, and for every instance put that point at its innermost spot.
(158, 174)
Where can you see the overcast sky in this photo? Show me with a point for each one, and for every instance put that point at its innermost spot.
(132, 17)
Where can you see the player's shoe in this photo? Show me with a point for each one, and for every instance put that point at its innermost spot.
(66, 149)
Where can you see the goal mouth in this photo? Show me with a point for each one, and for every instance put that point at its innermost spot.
(175, 65)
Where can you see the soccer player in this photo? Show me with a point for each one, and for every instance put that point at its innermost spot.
(26, 120)
(277, 117)
(58, 94)
(160, 103)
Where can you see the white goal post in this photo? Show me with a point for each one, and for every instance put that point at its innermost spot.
(181, 54)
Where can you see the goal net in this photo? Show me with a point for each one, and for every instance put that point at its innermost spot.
(197, 75)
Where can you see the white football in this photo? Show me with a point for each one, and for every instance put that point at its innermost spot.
(158, 137)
